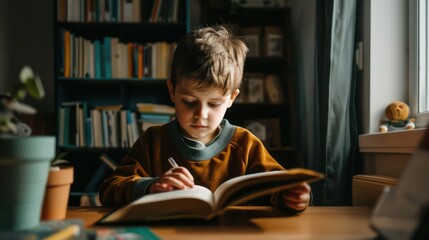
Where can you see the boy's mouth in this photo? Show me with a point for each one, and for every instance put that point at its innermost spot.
(198, 126)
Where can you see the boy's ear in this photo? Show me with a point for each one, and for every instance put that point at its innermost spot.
(233, 96)
(170, 90)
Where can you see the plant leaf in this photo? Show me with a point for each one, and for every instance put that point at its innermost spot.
(35, 87)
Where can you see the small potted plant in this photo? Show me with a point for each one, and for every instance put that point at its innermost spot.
(57, 188)
(24, 159)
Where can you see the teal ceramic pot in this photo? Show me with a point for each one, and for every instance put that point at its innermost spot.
(24, 169)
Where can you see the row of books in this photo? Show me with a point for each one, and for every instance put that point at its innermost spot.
(118, 10)
(104, 126)
(110, 58)
(98, 127)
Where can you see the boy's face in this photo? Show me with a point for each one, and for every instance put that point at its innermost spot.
(200, 111)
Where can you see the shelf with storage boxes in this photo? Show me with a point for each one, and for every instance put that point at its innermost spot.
(263, 105)
(110, 56)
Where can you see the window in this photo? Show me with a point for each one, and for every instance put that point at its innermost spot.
(419, 61)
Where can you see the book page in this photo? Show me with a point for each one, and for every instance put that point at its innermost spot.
(196, 202)
(244, 188)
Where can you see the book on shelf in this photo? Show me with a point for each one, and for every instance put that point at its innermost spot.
(110, 126)
(116, 107)
(107, 54)
(252, 37)
(267, 130)
(255, 87)
(99, 11)
(162, 11)
(66, 53)
(108, 161)
(155, 108)
(273, 41)
(90, 198)
(156, 117)
(97, 59)
(273, 89)
(109, 58)
(97, 178)
(124, 132)
(132, 128)
(128, 11)
(200, 203)
(72, 122)
(96, 128)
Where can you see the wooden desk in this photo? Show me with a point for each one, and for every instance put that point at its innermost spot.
(261, 223)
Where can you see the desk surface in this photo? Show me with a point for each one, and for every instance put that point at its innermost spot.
(261, 223)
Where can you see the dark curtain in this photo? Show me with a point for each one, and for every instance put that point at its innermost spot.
(334, 137)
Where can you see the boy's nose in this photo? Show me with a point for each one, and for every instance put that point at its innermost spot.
(201, 111)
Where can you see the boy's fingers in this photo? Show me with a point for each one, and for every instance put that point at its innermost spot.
(183, 179)
(183, 171)
(297, 198)
(303, 187)
(297, 206)
(175, 182)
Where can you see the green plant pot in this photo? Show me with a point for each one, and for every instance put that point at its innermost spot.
(24, 168)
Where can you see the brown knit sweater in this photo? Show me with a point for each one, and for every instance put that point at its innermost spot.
(235, 152)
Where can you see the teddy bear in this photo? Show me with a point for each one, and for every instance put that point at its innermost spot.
(398, 115)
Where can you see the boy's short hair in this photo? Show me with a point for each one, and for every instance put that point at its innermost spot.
(209, 57)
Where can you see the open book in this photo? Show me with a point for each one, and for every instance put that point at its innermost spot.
(200, 202)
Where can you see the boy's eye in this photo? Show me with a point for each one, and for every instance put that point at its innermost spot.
(215, 104)
(190, 103)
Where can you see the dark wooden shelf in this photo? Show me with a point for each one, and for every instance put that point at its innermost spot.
(128, 32)
(149, 81)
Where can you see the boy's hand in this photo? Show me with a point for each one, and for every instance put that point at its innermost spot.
(297, 198)
(173, 179)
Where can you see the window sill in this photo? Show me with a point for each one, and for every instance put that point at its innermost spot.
(391, 142)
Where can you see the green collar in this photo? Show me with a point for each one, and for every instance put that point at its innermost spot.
(199, 154)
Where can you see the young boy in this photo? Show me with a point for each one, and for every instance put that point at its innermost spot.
(206, 74)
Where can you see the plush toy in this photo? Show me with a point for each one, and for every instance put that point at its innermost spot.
(398, 115)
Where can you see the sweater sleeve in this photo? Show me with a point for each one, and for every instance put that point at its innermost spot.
(260, 160)
(130, 179)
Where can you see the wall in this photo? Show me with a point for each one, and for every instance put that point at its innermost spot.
(26, 38)
(385, 35)
(3, 45)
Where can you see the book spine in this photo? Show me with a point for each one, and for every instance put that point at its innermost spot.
(97, 59)
(107, 57)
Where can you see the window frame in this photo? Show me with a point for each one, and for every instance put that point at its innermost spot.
(416, 59)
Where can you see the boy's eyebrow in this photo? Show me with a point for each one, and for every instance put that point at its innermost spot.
(190, 93)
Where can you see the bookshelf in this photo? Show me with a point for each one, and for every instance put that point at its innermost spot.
(267, 101)
(109, 53)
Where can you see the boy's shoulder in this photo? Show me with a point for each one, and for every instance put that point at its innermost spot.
(243, 135)
(156, 130)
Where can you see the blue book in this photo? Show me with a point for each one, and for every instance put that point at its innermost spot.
(102, 59)
(97, 59)
(97, 10)
(96, 179)
(151, 117)
(135, 60)
(107, 57)
(84, 131)
(113, 10)
(88, 133)
(104, 127)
